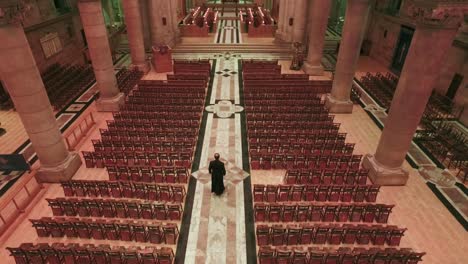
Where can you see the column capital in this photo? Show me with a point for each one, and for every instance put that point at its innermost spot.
(12, 12)
(444, 14)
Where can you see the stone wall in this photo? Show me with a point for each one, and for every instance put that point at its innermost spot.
(383, 35)
(43, 19)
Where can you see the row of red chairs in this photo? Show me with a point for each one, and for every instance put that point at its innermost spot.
(111, 208)
(320, 193)
(180, 135)
(273, 76)
(305, 212)
(165, 133)
(101, 160)
(284, 109)
(155, 233)
(164, 101)
(249, 84)
(346, 255)
(59, 253)
(182, 86)
(268, 100)
(336, 175)
(299, 137)
(142, 145)
(293, 117)
(141, 94)
(189, 76)
(148, 174)
(310, 99)
(150, 141)
(117, 189)
(146, 121)
(147, 111)
(260, 126)
(264, 91)
(334, 234)
(172, 154)
(163, 84)
(333, 146)
(259, 161)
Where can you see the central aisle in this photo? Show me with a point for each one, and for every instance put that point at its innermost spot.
(220, 229)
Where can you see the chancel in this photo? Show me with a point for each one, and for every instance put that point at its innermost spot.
(338, 131)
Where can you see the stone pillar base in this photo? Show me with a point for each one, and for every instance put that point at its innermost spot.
(144, 67)
(384, 176)
(62, 172)
(315, 70)
(110, 104)
(338, 107)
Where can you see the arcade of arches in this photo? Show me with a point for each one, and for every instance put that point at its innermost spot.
(342, 126)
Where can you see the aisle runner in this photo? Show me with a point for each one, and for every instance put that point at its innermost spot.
(228, 32)
(218, 225)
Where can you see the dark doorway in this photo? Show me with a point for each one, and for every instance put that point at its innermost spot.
(83, 35)
(401, 50)
(454, 85)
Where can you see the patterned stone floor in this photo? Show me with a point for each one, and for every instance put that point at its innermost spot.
(217, 232)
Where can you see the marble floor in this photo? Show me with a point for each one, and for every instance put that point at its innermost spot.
(217, 228)
(228, 32)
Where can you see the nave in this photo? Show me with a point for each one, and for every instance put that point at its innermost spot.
(222, 229)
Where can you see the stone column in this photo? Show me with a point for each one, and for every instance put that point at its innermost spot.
(288, 35)
(175, 22)
(353, 32)
(317, 30)
(281, 20)
(414, 88)
(145, 18)
(136, 42)
(300, 18)
(23, 81)
(110, 98)
(160, 33)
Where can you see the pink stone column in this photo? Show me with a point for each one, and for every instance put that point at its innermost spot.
(110, 98)
(318, 27)
(281, 20)
(300, 18)
(23, 81)
(353, 32)
(414, 88)
(136, 42)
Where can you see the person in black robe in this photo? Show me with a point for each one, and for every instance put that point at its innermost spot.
(217, 172)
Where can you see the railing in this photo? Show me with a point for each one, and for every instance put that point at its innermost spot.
(79, 130)
(17, 198)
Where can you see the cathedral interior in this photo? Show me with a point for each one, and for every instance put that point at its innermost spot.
(342, 126)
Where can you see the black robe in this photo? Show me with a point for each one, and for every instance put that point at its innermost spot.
(217, 172)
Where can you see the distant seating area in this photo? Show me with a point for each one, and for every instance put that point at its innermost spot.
(64, 82)
(127, 79)
(89, 253)
(199, 22)
(445, 143)
(257, 22)
(290, 129)
(382, 87)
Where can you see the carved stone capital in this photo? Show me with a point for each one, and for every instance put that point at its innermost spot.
(13, 11)
(436, 13)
